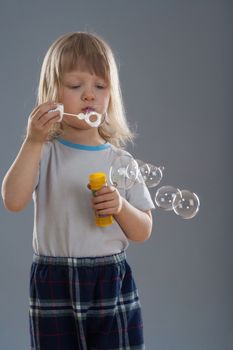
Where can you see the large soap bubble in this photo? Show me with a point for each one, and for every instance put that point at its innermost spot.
(164, 197)
(124, 172)
(186, 204)
(151, 174)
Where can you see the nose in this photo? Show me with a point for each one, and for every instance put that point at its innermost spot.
(88, 95)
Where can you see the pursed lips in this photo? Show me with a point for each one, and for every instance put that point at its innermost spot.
(87, 109)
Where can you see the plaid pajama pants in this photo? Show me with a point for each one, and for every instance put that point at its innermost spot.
(84, 304)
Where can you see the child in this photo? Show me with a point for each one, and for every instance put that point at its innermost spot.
(82, 293)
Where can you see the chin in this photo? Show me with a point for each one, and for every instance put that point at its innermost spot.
(79, 125)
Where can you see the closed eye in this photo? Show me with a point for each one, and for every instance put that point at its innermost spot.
(100, 86)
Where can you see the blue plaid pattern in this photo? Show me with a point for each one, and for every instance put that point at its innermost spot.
(84, 304)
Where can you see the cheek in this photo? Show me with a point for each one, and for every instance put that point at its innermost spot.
(62, 95)
(65, 95)
(69, 101)
(106, 99)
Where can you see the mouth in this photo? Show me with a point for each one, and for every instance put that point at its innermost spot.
(88, 109)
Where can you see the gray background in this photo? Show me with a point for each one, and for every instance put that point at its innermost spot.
(176, 75)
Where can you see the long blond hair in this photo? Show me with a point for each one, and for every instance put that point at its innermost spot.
(65, 55)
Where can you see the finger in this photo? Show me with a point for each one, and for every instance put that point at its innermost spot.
(105, 189)
(46, 113)
(105, 205)
(49, 117)
(51, 105)
(102, 190)
(104, 197)
(108, 211)
(42, 109)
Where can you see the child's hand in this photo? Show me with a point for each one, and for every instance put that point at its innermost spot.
(40, 121)
(107, 201)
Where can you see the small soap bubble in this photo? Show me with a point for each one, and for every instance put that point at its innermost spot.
(164, 197)
(186, 204)
(144, 169)
(124, 172)
(151, 174)
(155, 175)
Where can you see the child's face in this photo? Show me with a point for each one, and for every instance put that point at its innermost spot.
(80, 90)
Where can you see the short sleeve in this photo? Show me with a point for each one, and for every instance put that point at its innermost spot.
(139, 196)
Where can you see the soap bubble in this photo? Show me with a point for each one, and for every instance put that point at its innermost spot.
(151, 174)
(124, 172)
(186, 204)
(164, 197)
(144, 169)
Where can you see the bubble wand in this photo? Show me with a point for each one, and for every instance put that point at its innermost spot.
(81, 116)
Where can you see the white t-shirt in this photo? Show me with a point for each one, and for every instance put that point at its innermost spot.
(64, 222)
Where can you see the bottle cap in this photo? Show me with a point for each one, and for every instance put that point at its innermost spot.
(97, 180)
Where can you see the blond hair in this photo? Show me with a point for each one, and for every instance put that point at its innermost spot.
(69, 52)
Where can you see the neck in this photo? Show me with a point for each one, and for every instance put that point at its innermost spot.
(89, 137)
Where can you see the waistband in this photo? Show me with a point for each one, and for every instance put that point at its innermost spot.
(87, 261)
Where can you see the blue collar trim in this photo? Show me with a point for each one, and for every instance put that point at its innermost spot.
(84, 147)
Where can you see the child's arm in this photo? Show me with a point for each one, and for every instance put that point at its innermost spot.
(135, 223)
(18, 183)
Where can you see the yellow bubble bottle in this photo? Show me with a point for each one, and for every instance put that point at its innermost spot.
(96, 181)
